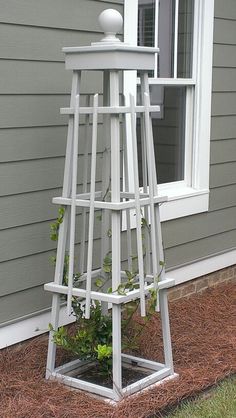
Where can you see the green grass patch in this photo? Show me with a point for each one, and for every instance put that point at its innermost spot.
(219, 402)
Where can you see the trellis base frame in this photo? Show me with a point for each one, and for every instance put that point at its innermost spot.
(159, 374)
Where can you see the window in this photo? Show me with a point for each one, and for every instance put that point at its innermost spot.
(181, 85)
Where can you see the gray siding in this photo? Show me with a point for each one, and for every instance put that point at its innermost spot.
(33, 87)
(199, 236)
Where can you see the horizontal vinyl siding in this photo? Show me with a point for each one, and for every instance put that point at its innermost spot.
(223, 127)
(224, 79)
(218, 222)
(79, 15)
(225, 194)
(42, 77)
(28, 176)
(187, 253)
(39, 142)
(19, 305)
(229, 146)
(32, 271)
(225, 9)
(33, 86)
(39, 44)
(197, 237)
(32, 138)
(32, 239)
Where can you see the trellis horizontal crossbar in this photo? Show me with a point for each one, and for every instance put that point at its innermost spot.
(163, 284)
(109, 393)
(148, 364)
(160, 371)
(123, 195)
(109, 110)
(108, 297)
(108, 205)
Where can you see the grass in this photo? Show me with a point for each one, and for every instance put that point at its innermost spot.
(219, 402)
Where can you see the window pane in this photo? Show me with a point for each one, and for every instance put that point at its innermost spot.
(166, 34)
(168, 133)
(165, 41)
(147, 10)
(146, 22)
(146, 25)
(185, 38)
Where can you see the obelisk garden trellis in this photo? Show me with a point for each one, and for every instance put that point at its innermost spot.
(114, 200)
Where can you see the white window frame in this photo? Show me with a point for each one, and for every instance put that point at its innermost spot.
(191, 195)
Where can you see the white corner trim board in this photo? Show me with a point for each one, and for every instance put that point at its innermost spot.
(38, 324)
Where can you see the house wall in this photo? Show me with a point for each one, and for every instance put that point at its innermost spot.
(33, 86)
(199, 285)
(196, 237)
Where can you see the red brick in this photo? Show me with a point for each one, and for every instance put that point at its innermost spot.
(189, 289)
(202, 284)
(174, 293)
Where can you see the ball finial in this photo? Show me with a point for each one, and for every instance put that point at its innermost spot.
(111, 22)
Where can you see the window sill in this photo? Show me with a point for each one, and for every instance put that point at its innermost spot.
(182, 201)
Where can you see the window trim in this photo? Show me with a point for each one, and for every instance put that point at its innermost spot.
(190, 196)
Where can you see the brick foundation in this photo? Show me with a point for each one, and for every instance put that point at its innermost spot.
(202, 283)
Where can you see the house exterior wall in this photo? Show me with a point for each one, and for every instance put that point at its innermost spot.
(196, 237)
(33, 86)
(202, 283)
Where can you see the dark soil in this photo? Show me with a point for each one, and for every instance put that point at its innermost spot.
(129, 376)
(204, 341)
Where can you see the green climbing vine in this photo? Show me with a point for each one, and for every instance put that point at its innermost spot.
(92, 339)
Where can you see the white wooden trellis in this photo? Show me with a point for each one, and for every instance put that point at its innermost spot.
(112, 57)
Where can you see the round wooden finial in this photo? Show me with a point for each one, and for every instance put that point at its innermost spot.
(111, 22)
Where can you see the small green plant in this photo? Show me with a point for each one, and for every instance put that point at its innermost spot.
(104, 356)
(54, 232)
(92, 339)
(54, 227)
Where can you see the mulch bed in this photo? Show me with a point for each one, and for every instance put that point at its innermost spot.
(204, 341)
